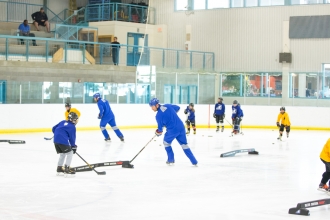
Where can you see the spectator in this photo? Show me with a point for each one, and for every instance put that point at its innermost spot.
(308, 94)
(40, 18)
(115, 45)
(24, 30)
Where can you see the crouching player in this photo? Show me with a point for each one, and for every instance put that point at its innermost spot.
(236, 116)
(65, 142)
(190, 112)
(167, 117)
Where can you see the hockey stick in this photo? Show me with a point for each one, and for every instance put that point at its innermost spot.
(98, 173)
(229, 123)
(13, 141)
(48, 139)
(143, 148)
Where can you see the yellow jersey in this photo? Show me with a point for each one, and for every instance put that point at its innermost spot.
(284, 118)
(66, 113)
(325, 154)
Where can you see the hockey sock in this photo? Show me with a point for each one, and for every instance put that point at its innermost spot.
(170, 154)
(191, 156)
(69, 156)
(61, 160)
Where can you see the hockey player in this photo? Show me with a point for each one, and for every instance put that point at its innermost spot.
(219, 113)
(107, 117)
(167, 116)
(325, 158)
(236, 116)
(69, 109)
(65, 142)
(283, 117)
(190, 112)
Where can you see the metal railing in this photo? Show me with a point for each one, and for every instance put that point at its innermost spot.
(84, 52)
(17, 12)
(72, 32)
(120, 12)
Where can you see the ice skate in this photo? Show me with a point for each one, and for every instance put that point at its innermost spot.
(287, 135)
(188, 132)
(122, 139)
(217, 129)
(170, 163)
(194, 132)
(60, 171)
(324, 188)
(222, 128)
(107, 139)
(68, 172)
(279, 138)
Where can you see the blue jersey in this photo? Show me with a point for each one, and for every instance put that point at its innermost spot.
(219, 109)
(236, 111)
(167, 116)
(65, 133)
(191, 113)
(105, 110)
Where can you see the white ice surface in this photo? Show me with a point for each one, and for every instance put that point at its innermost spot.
(242, 187)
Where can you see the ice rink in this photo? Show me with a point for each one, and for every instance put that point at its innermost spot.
(246, 186)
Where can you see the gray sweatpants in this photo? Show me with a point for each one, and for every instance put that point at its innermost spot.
(68, 158)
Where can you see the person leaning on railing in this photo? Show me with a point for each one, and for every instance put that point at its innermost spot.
(40, 18)
(24, 30)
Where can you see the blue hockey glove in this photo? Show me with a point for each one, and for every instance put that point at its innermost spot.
(158, 133)
(74, 149)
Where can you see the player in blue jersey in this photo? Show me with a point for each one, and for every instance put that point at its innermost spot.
(65, 142)
(167, 117)
(107, 117)
(219, 113)
(190, 112)
(236, 116)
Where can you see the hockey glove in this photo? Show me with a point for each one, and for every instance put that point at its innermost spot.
(214, 116)
(278, 124)
(99, 117)
(185, 111)
(241, 118)
(158, 133)
(74, 149)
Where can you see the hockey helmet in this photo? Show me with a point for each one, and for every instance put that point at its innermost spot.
(191, 104)
(72, 117)
(153, 102)
(96, 95)
(221, 99)
(235, 102)
(282, 108)
(67, 104)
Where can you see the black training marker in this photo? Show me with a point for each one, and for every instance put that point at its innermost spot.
(301, 208)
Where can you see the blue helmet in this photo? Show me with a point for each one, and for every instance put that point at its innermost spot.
(97, 95)
(153, 102)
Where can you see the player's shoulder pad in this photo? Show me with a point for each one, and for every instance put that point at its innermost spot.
(163, 108)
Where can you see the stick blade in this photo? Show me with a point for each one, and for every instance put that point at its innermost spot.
(101, 173)
(16, 142)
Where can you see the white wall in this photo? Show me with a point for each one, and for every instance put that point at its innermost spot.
(245, 39)
(36, 116)
(58, 5)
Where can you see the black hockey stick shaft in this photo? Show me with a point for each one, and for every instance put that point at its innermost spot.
(143, 148)
(98, 173)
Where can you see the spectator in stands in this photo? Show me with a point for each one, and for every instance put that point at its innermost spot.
(40, 18)
(24, 30)
(115, 46)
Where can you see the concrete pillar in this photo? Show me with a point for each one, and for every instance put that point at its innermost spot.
(285, 66)
(216, 87)
(302, 85)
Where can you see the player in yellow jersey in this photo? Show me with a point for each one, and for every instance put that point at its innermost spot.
(284, 119)
(325, 158)
(69, 109)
